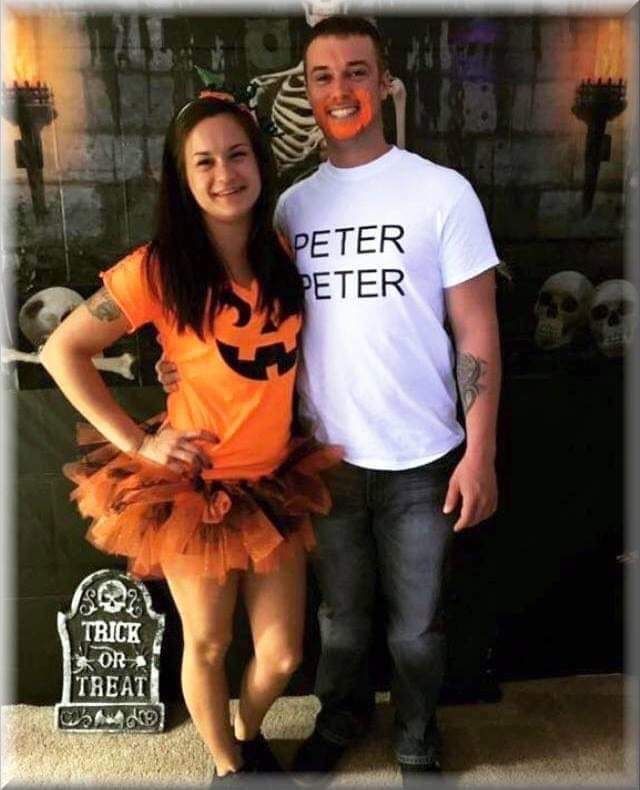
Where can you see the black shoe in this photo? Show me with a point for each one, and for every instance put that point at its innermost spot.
(258, 757)
(316, 755)
(414, 776)
(232, 779)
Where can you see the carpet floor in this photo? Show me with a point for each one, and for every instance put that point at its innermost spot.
(553, 732)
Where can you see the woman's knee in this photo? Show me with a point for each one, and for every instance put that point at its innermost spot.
(208, 648)
(282, 661)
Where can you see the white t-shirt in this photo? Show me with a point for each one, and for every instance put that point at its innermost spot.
(376, 244)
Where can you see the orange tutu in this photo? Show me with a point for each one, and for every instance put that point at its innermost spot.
(163, 522)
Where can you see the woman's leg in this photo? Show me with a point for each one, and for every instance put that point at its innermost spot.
(206, 610)
(275, 605)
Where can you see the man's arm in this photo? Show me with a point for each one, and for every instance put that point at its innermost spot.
(471, 307)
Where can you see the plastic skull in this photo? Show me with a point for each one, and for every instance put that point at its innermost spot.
(613, 316)
(315, 10)
(112, 596)
(562, 307)
(45, 310)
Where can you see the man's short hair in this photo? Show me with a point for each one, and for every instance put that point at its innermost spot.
(343, 26)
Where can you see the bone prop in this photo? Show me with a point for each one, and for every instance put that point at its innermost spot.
(120, 365)
(399, 96)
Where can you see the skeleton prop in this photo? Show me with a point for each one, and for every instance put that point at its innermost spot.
(290, 110)
(317, 10)
(562, 309)
(613, 316)
(399, 97)
(45, 311)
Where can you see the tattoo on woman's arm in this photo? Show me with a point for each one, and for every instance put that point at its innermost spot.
(102, 306)
(470, 370)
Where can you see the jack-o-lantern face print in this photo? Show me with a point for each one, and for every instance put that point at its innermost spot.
(241, 342)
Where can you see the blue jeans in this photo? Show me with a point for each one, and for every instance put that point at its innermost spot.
(385, 526)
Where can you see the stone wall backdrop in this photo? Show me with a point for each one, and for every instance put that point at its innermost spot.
(491, 97)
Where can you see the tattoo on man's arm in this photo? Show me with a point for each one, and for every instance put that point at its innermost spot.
(102, 306)
(470, 370)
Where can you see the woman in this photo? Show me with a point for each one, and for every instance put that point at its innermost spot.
(217, 499)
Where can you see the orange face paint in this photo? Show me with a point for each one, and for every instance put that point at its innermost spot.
(346, 128)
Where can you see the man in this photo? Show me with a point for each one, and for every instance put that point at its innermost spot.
(388, 244)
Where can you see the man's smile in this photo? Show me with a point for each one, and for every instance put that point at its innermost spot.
(345, 118)
(343, 112)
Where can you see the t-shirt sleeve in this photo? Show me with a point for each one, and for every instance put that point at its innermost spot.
(127, 285)
(466, 247)
(280, 226)
(280, 217)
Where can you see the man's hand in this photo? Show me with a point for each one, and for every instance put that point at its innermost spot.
(167, 373)
(473, 480)
(177, 450)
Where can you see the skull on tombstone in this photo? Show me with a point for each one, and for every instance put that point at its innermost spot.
(614, 316)
(112, 596)
(562, 308)
(44, 311)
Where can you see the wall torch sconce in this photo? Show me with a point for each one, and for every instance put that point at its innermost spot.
(601, 99)
(30, 108)
(596, 103)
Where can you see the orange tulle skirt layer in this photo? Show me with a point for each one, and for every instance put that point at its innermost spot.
(164, 523)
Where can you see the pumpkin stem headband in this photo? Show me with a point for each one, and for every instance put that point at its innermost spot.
(212, 90)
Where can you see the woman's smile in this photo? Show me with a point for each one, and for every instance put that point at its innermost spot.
(228, 192)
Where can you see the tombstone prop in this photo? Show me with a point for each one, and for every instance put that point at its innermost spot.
(111, 641)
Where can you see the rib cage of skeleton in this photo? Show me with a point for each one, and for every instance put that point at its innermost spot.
(299, 134)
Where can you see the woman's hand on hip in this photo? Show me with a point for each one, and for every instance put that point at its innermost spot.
(177, 450)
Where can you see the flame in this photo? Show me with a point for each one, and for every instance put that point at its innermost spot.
(609, 63)
(19, 58)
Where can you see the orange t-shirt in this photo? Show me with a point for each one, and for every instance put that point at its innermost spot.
(237, 383)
